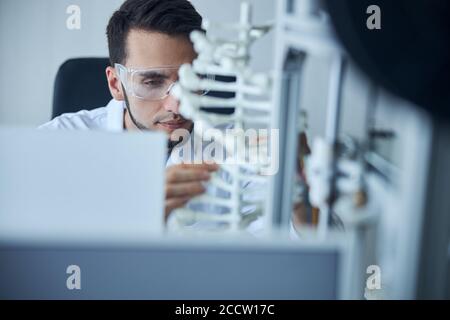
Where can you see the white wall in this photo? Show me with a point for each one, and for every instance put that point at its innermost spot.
(35, 42)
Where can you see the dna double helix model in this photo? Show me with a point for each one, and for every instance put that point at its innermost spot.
(242, 134)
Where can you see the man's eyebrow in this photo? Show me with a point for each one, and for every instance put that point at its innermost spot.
(153, 75)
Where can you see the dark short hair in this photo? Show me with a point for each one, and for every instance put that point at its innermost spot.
(171, 17)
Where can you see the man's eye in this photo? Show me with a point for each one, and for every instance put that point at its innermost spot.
(153, 83)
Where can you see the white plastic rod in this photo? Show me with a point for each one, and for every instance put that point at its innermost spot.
(331, 136)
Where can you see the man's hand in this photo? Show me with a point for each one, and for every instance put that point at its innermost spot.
(183, 182)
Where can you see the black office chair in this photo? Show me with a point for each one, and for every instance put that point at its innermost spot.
(80, 84)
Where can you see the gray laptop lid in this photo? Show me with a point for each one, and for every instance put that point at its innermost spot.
(80, 184)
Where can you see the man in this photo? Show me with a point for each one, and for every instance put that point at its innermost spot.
(148, 40)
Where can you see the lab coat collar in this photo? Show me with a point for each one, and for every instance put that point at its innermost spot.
(115, 120)
(115, 113)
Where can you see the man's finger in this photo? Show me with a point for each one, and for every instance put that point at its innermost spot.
(200, 166)
(184, 189)
(187, 175)
(190, 172)
(175, 203)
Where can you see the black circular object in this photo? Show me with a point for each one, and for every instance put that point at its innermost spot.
(409, 55)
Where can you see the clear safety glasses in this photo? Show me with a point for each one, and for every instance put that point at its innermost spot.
(150, 84)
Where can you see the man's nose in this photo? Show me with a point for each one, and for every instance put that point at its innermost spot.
(171, 104)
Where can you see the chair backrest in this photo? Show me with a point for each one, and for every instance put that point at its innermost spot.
(80, 84)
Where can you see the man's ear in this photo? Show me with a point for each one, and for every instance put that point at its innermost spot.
(114, 84)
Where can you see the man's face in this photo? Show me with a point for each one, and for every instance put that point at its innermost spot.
(146, 50)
